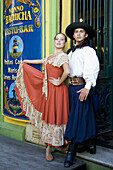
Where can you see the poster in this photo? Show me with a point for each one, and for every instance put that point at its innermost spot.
(22, 40)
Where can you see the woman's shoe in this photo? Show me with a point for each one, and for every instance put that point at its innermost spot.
(49, 156)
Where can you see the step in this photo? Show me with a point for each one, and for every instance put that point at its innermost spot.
(24, 155)
(103, 157)
(13, 131)
(18, 155)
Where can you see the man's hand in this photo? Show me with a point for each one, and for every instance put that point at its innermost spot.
(83, 94)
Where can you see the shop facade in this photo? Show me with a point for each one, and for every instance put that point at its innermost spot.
(33, 24)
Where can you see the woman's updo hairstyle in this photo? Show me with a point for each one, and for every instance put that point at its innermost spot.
(62, 34)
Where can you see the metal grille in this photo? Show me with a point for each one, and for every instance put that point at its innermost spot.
(97, 13)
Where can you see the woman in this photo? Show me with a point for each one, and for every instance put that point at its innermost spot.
(44, 96)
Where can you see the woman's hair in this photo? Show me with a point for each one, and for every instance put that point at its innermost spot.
(62, 34)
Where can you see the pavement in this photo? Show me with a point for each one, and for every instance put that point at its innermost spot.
(18, 155)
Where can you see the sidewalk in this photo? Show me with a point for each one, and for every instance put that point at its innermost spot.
(17, 155)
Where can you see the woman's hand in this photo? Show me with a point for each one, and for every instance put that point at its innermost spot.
(61, 79)
(54, 81)
(25, 61)
(83, 94)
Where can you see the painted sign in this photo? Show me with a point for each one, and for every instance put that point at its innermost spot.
(22, 40)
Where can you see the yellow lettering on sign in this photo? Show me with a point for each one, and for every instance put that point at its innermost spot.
(12, 70)
(18, 61)
(20, 29)
(16, 9)
(29, 16)
(14, 77)
(8, 62)
(22, 16)
(25, 29)
(30, 28)
(7, 77)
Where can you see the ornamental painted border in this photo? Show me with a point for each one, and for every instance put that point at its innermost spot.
(35, 8)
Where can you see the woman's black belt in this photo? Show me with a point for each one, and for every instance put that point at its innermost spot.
(76, 80)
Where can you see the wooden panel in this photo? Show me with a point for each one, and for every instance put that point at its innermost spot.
(33, 134)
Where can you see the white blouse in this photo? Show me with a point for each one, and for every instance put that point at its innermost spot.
(84, 63)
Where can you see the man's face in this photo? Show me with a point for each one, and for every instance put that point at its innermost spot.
(79, 35)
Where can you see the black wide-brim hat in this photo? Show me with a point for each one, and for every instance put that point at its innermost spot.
(70, 29)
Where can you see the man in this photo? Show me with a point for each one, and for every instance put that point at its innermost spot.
(84, 65)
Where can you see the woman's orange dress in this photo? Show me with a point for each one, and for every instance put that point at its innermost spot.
(46, 105)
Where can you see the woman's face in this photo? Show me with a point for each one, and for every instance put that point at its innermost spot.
(59, 41)
(79, 35)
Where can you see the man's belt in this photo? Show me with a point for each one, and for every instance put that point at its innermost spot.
(76, 80)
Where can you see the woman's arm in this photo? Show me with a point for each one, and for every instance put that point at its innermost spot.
(66, 72)
(34, 61)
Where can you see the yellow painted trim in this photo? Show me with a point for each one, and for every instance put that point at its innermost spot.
(70, 18)
(19, 120)
(47, 26)
(66, 18)
(15, 121)
(53, 23)
(42, 28)
(43, 32)
(1, 58)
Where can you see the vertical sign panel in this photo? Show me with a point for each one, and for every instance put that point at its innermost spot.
(22, 40)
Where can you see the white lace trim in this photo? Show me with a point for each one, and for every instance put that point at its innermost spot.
(58, 60)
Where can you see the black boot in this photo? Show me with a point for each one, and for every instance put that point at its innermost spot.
(70, 155)
(81, 147)
(91, 146)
